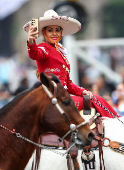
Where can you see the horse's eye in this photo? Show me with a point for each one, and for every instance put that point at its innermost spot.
(66, 102)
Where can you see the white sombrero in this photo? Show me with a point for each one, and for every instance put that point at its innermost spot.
(50, 17)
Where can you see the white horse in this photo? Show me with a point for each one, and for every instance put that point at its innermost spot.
(114, 130)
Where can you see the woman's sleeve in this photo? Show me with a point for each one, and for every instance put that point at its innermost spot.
(73, 88)
(37, 52)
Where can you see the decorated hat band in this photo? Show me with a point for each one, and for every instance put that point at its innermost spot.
(50, 17)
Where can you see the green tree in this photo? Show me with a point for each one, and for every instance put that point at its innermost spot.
(113, 19)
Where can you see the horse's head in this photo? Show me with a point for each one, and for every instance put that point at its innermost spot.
(60, 112)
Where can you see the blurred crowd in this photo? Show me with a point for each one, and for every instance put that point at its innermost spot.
(112, 92)
(91, 79)
(15, 77)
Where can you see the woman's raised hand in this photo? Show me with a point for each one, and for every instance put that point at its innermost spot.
(32, 34)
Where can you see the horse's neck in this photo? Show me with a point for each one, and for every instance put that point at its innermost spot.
(24, 118)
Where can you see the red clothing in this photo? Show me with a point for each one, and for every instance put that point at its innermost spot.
(49, 60)
(79, 103)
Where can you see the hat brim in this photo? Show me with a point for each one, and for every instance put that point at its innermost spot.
(69, 25)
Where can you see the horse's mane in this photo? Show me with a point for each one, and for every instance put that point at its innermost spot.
(36, 85)
(17, 99)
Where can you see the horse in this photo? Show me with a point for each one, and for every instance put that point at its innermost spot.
(45, 107)
(113, 160)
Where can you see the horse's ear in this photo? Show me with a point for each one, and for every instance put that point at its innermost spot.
(45, 79)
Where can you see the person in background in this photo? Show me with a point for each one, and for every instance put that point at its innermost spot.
(5, 94)
(22, 86)
(103, 86)
(50, 56)
(121, 71)
(118, 99)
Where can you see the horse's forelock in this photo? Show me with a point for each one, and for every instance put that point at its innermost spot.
(54, 78)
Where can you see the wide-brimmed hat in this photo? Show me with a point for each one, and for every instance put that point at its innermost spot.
(50, 17)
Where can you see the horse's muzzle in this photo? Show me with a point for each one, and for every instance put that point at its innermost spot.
(84, 142)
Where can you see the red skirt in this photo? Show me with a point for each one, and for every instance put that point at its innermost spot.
(95, 103)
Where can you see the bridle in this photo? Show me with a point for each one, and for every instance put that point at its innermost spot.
(73, 127)
(54, 100)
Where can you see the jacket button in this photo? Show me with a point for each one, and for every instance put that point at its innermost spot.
(63, 66)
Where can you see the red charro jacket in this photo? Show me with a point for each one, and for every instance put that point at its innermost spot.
(49, 60)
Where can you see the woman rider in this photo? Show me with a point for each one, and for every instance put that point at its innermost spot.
(50, 57)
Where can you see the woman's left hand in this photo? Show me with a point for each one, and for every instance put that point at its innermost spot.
(85, 92)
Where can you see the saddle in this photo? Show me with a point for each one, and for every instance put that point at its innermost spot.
(51, 140)
(88, 157)
(95, 124)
